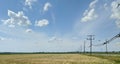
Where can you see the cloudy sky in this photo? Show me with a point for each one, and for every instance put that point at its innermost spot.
(58, 25)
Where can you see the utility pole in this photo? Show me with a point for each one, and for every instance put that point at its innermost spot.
(91, 38)
(84, 46)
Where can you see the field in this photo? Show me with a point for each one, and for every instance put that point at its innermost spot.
(58, 59)
(111, 57)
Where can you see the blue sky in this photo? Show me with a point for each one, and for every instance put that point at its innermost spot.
(57, 25)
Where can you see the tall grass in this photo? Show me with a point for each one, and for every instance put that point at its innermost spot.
(51, 59)
(111, 57)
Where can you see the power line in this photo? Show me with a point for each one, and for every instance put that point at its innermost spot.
(106, 48)
(117, 36)
(91, 38)
(100, 44)
(108, 41)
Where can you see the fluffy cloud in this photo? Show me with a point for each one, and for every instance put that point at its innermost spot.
(90, 14)
(20, 41)
(41, 23)
(54, 38)
(47, 6)
(28, 30)
(16, 19)
(116, 12)
(29, 3)
(106, 6)
(92, 4)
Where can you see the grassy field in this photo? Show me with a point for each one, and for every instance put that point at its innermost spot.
(57, 59)
(112, 57)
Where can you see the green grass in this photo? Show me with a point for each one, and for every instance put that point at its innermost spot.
(53, 59)
(111, 57)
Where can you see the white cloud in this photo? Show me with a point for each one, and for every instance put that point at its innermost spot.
(92, 4)
(118, 23)
(29, 3)
(41, 23)
(47, 6)
(106, 6)
(55, 39)
(117, 43)
(20, 41)
(52, 38)
(12, 26)
(90, 14)
(28, 30)
(16, 19)
(116, 12)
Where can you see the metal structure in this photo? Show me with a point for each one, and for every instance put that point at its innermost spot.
(108, 41)
(104, 43)
(91, 38)
(118, 5)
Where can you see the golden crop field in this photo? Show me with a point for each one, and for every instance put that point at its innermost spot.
(52, 59)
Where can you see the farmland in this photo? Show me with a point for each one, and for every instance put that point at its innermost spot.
(112, 57)
(58, 59)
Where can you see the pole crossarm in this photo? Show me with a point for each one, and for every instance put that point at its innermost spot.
(90, 38)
